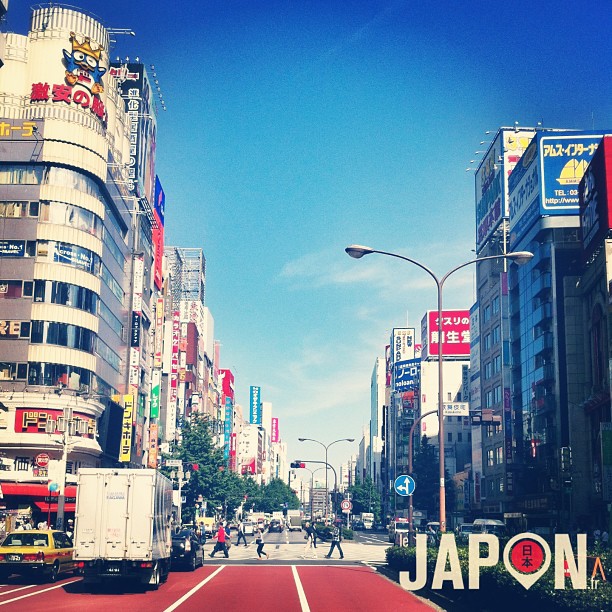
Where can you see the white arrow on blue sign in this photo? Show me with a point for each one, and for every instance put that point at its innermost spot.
(404, 485)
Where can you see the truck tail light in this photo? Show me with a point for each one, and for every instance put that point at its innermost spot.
(81, 564)
(146, 564)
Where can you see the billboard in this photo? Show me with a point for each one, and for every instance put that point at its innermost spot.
(455, 333)
(255, 406)
(492, 180)
(545, 181)
(406, 375)
(159, 211)
(138, 94)
(402, 343)
(594, 192)
(125, 450)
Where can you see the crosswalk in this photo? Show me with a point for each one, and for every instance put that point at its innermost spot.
(294, 551)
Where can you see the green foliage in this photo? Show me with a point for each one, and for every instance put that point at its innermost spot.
(365, 498)
(215, 483)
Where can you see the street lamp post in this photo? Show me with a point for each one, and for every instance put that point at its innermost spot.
(326, 447)
(357, 251)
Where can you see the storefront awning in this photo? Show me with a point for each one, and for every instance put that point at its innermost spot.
(33, 489)
(45, 507)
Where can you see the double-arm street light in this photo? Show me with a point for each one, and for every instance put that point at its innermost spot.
(357, 251)
(326, 447)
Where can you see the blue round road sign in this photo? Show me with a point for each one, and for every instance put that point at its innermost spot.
(404, 485)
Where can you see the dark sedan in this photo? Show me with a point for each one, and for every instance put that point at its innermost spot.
(275, 527)
(187, 550)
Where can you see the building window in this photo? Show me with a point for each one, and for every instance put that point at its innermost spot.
(459, 437)
(449, 436)
(499, 455)
(495, 305)
(496, 335)
(487, 342)
(490, 459)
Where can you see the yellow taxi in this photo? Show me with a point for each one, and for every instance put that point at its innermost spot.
(36, 552)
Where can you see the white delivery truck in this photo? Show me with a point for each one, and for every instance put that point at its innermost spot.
(123, 525)
(367, 518)
(294, 520)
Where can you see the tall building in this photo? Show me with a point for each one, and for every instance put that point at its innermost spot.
(377, 404)
(546, 326)
(76, 258)
(493, 473)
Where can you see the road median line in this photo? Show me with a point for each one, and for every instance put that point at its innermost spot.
(195, 589)
(300, 590)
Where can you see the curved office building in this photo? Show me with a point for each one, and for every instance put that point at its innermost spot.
(65, 258)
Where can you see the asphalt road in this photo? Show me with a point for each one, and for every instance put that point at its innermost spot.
(284, 582)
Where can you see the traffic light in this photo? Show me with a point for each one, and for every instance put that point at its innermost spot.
(298, 464)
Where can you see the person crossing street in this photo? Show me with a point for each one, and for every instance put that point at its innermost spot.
(241, 534)
(336, 539)
(309, 537)
(220, 545)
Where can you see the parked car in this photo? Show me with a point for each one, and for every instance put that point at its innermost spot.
(36, 552)
(275, 526)
(187, 550)
(358, 526)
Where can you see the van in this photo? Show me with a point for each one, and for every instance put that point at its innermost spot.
(493, 526)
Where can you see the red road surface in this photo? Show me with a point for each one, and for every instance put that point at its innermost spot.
(260, 588)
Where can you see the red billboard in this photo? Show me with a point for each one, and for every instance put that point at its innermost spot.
(594, 192)
(227, 383)
(455, 333)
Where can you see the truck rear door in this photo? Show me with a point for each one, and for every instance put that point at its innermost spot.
(140, 507)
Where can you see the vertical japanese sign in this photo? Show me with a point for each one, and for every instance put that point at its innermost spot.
(125, 449)
(153, 448)
(138, 94)
(508, 424)
(255, 406)
(174, 368)
(159, 333)
(159, 212)
(232, 452)
(227, 430)
(155, 392)
(274, 433)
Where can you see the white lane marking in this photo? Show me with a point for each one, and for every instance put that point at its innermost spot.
(300, 590)
(197, 587)
(15, 590)
(57, 586)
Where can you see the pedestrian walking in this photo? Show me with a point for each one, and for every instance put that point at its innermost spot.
(604, 538)
(241, 535)
(259, 540)
(309, 537)
(228, 535)
(336, 539)
(220, 544)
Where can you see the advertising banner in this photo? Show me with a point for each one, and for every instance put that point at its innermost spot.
(255, 406)
(34, 420)
(406, 375)
(455, 333)
(274, 433)
(595, 195)
(153, 447)
(125, 449)
(492, 180)
(159, 333)
(159, 212)
(402, 341)
(155, 393)
(545, 181)
(227, 429)
(138, 94)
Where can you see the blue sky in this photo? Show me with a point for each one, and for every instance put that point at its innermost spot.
(295, 128)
